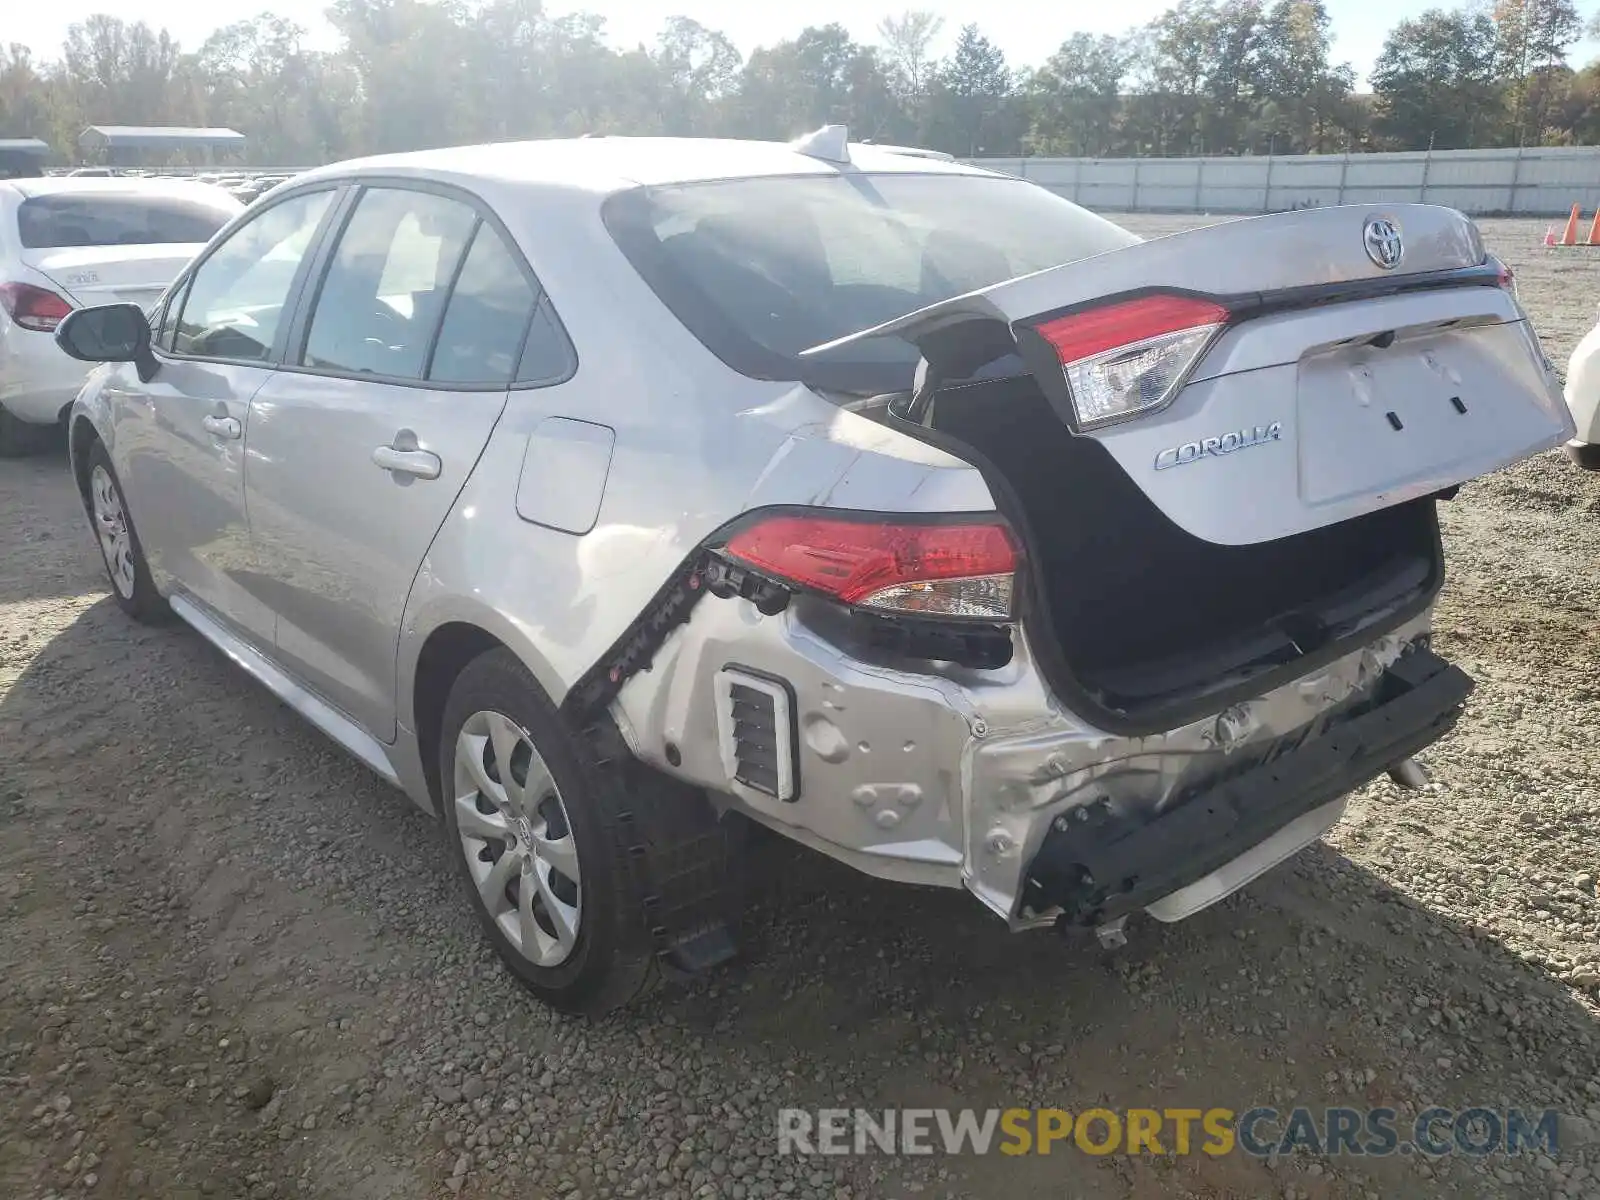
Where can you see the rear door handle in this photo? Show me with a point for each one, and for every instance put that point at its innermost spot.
(424, 464)
(222, 427)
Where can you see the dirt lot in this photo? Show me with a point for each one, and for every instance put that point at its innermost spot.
(234, 964)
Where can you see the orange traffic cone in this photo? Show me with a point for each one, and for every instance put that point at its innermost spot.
(1570, 238)
(1594, 230)
(1550, 236)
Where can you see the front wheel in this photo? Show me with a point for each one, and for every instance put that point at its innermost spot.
(120, 550)
(531, 824)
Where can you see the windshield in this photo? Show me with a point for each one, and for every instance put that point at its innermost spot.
(68, 221)
(760, 269)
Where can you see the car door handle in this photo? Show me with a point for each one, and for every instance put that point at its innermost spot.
(222, 427)
(424, 464)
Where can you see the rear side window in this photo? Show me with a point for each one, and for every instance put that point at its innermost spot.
(760, 269)
(386, 285)
(548, 356)
(66, 221)
(487, 318)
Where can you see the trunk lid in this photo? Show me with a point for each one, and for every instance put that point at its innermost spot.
(1338, 385)
(93, 275)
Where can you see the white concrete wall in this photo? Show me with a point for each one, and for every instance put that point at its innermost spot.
(1533, 182)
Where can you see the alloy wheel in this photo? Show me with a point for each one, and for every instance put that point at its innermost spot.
(517, 840)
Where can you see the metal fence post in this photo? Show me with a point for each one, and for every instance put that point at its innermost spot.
(1133, 205)
(1266, 196)
(1344, 173)
(1427, 166)
(1516, 182)
(1199, 182)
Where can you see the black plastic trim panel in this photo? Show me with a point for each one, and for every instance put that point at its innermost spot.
(1101, 864)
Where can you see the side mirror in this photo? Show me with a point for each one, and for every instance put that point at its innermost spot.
(109, 333)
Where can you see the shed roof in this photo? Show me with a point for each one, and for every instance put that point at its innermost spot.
(156, 135)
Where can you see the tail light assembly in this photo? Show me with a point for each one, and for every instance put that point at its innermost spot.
(1130, 358)
(944, 569)
(1505, 277)
(31, 307)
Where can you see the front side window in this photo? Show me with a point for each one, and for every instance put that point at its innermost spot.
(387, 283)
(73, 220)
(166, 319)
(236, 300)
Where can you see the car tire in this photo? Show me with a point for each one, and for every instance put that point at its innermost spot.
(120, 550)
(1585, 454)
(563, 914)
(19, 438)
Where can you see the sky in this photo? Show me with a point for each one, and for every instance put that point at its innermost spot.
(1026, 30)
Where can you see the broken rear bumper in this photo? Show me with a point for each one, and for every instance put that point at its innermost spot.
(936, 774)
(1096, 863)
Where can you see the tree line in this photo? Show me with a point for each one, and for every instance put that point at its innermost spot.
(1204, 77)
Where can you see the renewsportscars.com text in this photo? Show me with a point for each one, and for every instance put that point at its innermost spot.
(1260, 1132)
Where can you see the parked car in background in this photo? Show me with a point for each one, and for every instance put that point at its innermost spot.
(72, 241)
(1583, 397)
(599, 487)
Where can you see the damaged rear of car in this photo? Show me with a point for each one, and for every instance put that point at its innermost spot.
(1198, 613)
(902, 507)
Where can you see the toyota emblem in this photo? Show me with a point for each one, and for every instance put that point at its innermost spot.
(1382, 238)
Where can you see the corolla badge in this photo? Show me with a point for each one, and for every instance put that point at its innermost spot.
(1227, 443)
(1383, 242)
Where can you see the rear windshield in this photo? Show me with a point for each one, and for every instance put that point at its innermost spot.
(64, 221)
(760, 269)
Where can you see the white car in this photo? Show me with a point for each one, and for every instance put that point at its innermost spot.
(67, 243)
(1583, 398)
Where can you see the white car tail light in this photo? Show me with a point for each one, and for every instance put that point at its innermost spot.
(1130, 358)
(33, 307)
(927, 569)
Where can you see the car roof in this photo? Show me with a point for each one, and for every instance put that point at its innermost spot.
(610, 164)
(57, 185)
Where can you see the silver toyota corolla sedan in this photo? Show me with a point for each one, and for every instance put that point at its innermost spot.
(598, 491)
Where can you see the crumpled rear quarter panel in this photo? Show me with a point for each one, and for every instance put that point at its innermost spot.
(942, 775)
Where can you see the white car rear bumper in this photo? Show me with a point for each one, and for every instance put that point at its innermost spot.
(1583, 398)
(37, 381)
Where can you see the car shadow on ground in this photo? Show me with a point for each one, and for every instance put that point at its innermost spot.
(1319, 985)
(34, 491)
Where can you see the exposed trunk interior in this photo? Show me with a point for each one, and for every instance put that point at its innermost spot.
(1147, 623)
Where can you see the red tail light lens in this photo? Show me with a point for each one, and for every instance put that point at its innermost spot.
(1131, 357)
(33, 307)
(949, 570)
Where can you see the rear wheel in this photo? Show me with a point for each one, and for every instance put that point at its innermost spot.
(120, 550)
(531, 824)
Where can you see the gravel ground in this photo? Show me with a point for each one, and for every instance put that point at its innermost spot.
(234, 964)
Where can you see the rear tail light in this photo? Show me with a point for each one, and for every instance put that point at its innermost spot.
(910, 568)
(1505, 277)
(33, 307)
(1131, 357)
